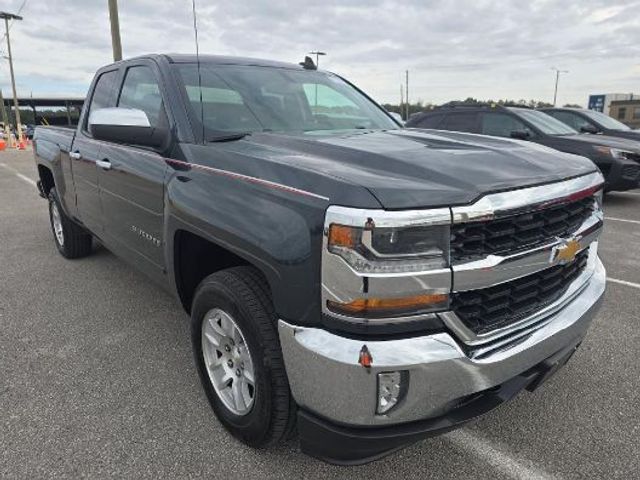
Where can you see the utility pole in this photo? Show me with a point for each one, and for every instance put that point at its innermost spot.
(115, 30)
(317, 53)
(6, 17)
(555, 91)
(406, 91)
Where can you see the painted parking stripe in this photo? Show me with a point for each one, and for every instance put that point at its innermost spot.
(623, 282)
(19, 175)
(616, 219)
(503, 462)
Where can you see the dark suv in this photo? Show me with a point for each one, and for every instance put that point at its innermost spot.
(590, 121)
(617, 158)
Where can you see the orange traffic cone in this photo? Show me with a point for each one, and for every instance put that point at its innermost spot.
(3, 144)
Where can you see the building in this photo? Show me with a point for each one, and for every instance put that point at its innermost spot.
(602, 102)
(627, 111)
(45, 110)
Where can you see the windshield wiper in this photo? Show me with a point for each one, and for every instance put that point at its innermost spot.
(227, 136)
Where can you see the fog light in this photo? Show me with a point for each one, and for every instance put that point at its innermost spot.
(390, 390)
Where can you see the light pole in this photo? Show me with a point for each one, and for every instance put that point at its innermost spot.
(7, 17)
(555, 91)
(116, 44)
(317, 53)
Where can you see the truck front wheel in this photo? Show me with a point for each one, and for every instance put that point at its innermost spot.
(237, 352)
(70, 239)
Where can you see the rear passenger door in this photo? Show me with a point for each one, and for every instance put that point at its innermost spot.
(132, 185)
(460, 122)
(84, 153)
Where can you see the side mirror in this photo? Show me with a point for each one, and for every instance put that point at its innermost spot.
(520, 134)
(124, 125)
(588, 128)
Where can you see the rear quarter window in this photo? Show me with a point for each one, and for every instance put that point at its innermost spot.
(461, 122)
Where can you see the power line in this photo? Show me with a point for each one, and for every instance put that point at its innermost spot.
(4, 37)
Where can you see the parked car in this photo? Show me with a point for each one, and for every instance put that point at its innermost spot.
(617, 158)
(590, 121)
(370, 284)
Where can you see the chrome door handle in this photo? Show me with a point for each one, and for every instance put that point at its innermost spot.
(75, 155)
(104, 164)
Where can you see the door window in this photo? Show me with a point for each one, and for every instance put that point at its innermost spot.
(571, 119)
(140, 90)
(461, 122)
(102, 92)
(501, 125)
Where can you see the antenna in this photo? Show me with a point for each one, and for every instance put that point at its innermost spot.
(195, 30)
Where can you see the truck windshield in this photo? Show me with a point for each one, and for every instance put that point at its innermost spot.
(238, 98)
(543, 122)
(605, 120)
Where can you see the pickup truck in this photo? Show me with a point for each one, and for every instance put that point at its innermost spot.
(356, 282)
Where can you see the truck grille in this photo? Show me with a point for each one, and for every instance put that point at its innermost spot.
(486, 309)
(510, 234)
(631, 172)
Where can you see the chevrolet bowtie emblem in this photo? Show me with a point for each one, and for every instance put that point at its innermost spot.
(565, 252)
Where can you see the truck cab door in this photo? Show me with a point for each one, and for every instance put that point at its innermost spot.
(131, 179)
(85, 152)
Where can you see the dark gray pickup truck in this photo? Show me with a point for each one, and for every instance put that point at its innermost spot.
(364, 284)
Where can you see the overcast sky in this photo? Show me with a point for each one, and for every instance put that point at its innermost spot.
(453, 49)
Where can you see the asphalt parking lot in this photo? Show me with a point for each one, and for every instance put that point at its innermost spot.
(97, 377)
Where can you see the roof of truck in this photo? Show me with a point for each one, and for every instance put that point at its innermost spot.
(220, 60)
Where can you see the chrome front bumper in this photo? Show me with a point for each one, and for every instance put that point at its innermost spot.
(327, 380)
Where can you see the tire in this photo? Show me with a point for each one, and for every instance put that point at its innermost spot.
(71, 240)
(242, 294)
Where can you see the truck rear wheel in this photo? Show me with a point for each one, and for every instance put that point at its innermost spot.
(237, 352)
(70, 239)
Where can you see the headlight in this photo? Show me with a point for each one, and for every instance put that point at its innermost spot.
(371, 249)
(386, 265)
(615, 152)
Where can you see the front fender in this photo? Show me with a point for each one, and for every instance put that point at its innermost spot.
(276, 230)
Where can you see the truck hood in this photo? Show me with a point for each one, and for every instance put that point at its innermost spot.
(411, 168)
(604, 140)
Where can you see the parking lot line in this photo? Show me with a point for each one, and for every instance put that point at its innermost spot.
(616, 219)
(501, 461)
(19, 175)
(623, 282)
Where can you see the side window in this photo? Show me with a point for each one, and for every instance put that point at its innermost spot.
(429, 121)
(571, 119)
(140, 90)
(461, 122)
(101, 93)
(501, 125)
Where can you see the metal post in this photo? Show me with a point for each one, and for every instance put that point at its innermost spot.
(66, 104)
(317, 53)
(5, 118)
(13, 78)
(115, 30)
(406, 91)
(555, 91)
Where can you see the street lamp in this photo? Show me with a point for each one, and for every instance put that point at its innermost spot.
(317, 53)
(7, 17)
(555, 92)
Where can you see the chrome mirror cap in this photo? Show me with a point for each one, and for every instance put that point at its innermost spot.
(123, 117)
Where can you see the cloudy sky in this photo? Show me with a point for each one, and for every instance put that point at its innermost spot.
(453, 49)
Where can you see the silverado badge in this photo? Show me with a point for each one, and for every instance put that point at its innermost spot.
(565, 252)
